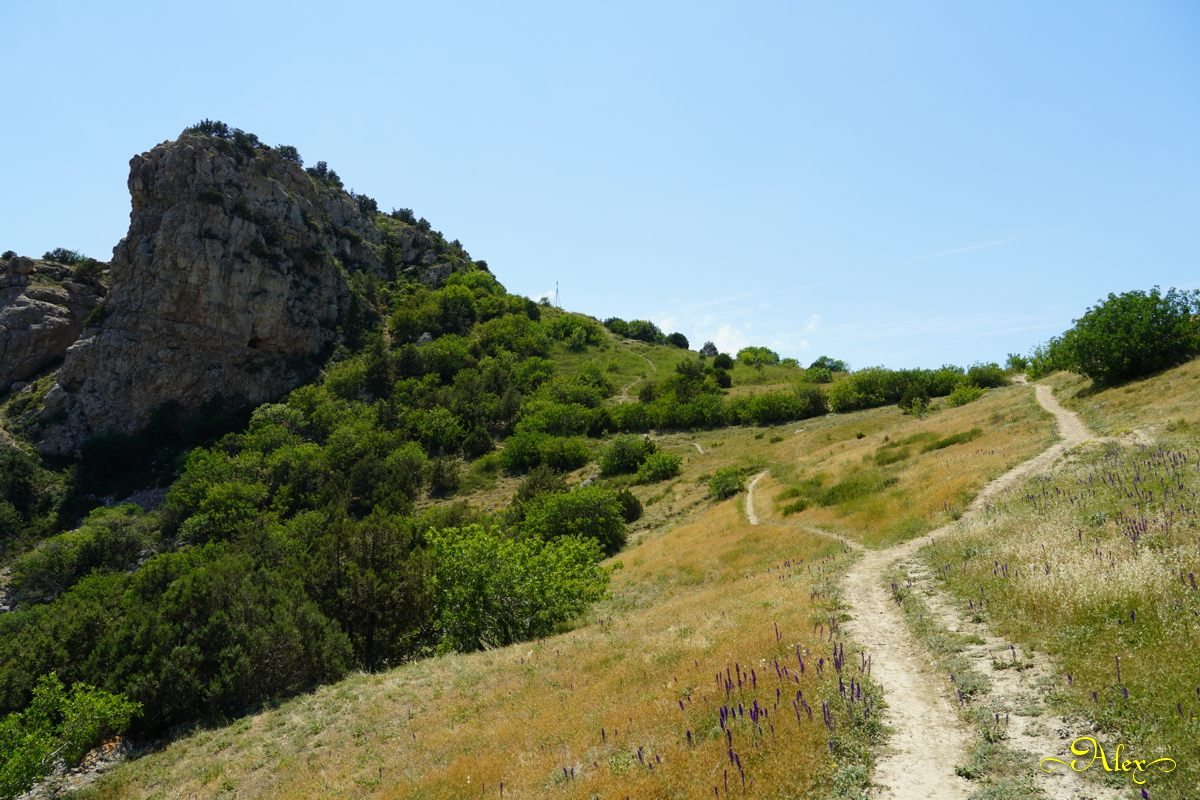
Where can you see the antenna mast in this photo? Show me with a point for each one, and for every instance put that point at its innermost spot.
(556, 303)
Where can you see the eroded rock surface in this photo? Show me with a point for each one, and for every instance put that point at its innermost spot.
(233, 280)
(42, 313)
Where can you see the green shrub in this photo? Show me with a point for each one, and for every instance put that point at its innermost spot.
(442, 475)
(645, 331)
(631, 507)
(854, 487)
(589, 511)
(963, 394)
(493, 590)
(625, 454)
(62, 255)
(726, 482)
(659, 467)
(678, 340)
(818, 375)
(892, 455)
(57, 723)
(757, 355)
(831, 364)
(110, 539)
(987, 376)
(89, 270)
(1134, 334)
(722, 361)
(953, 439)
(795, 507)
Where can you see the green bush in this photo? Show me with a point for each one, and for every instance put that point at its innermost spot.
(89, 270)
(493, 590)
(588, 511)
(57, 723)
(795, 507)
(987, 376)
(964, 393)
(831, 364)
(625, 454)
(953, 439)
(1134, 334)
(757, 355)
(726, 482)
(110, 539)
(659, 467)
(631, 507)
(818, 375)
(854, 487)
(645, 331)
(722, 361)
(62, 255)
(678, 340)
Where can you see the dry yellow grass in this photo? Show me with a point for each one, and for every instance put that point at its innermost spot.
(1149, 405)
(690, 602)
(932, 488)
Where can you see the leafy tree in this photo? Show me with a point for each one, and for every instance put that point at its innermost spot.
(631, 507)
(62, 255)
(757, 355)
(1016, 362)
(722, 361)
(588, 511)
(625, 454)
(1134, 334)
(818, 375)
(618, 326)
(659, 467)
(58, 723)
(289, 153)
(645, 331)
(678, 340)
(709, 349)
(726, 482)
(493, 590)
(831, 364)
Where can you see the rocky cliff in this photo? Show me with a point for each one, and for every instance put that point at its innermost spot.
(234, 280)
(42, 312)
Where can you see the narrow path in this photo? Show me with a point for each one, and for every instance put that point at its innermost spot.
(750, 513)
(929, 738)
(624, 398)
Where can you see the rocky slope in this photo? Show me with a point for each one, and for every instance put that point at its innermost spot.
(235, 279)
(42, 312)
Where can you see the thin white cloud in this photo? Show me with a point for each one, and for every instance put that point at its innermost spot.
(803, 344)
(729, 339)
(812, 323)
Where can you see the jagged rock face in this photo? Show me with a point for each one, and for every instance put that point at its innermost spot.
(225, 284)
(41, 314)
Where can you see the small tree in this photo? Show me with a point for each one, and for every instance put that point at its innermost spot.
(831, 364)
(659, 467)
(678, 340)
(723, 361)
(726, 482)
(709, 349)
(1134, 334)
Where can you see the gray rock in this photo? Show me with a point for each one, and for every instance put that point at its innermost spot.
(20, 265)
(424, 339)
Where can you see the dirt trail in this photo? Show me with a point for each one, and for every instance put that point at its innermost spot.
(929, 737)
(750, 513)
(624, 398)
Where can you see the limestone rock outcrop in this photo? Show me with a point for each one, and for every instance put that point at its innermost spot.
(232, 281)
(42, 312)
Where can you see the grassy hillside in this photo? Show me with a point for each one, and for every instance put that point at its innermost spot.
(700, 591)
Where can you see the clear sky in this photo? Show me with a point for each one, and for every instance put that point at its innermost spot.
(907, 184)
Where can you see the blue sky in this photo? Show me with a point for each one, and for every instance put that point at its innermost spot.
(907, 184)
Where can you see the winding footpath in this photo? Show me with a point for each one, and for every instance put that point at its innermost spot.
(929, 738)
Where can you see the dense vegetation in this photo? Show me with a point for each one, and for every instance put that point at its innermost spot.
(1125, 336)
